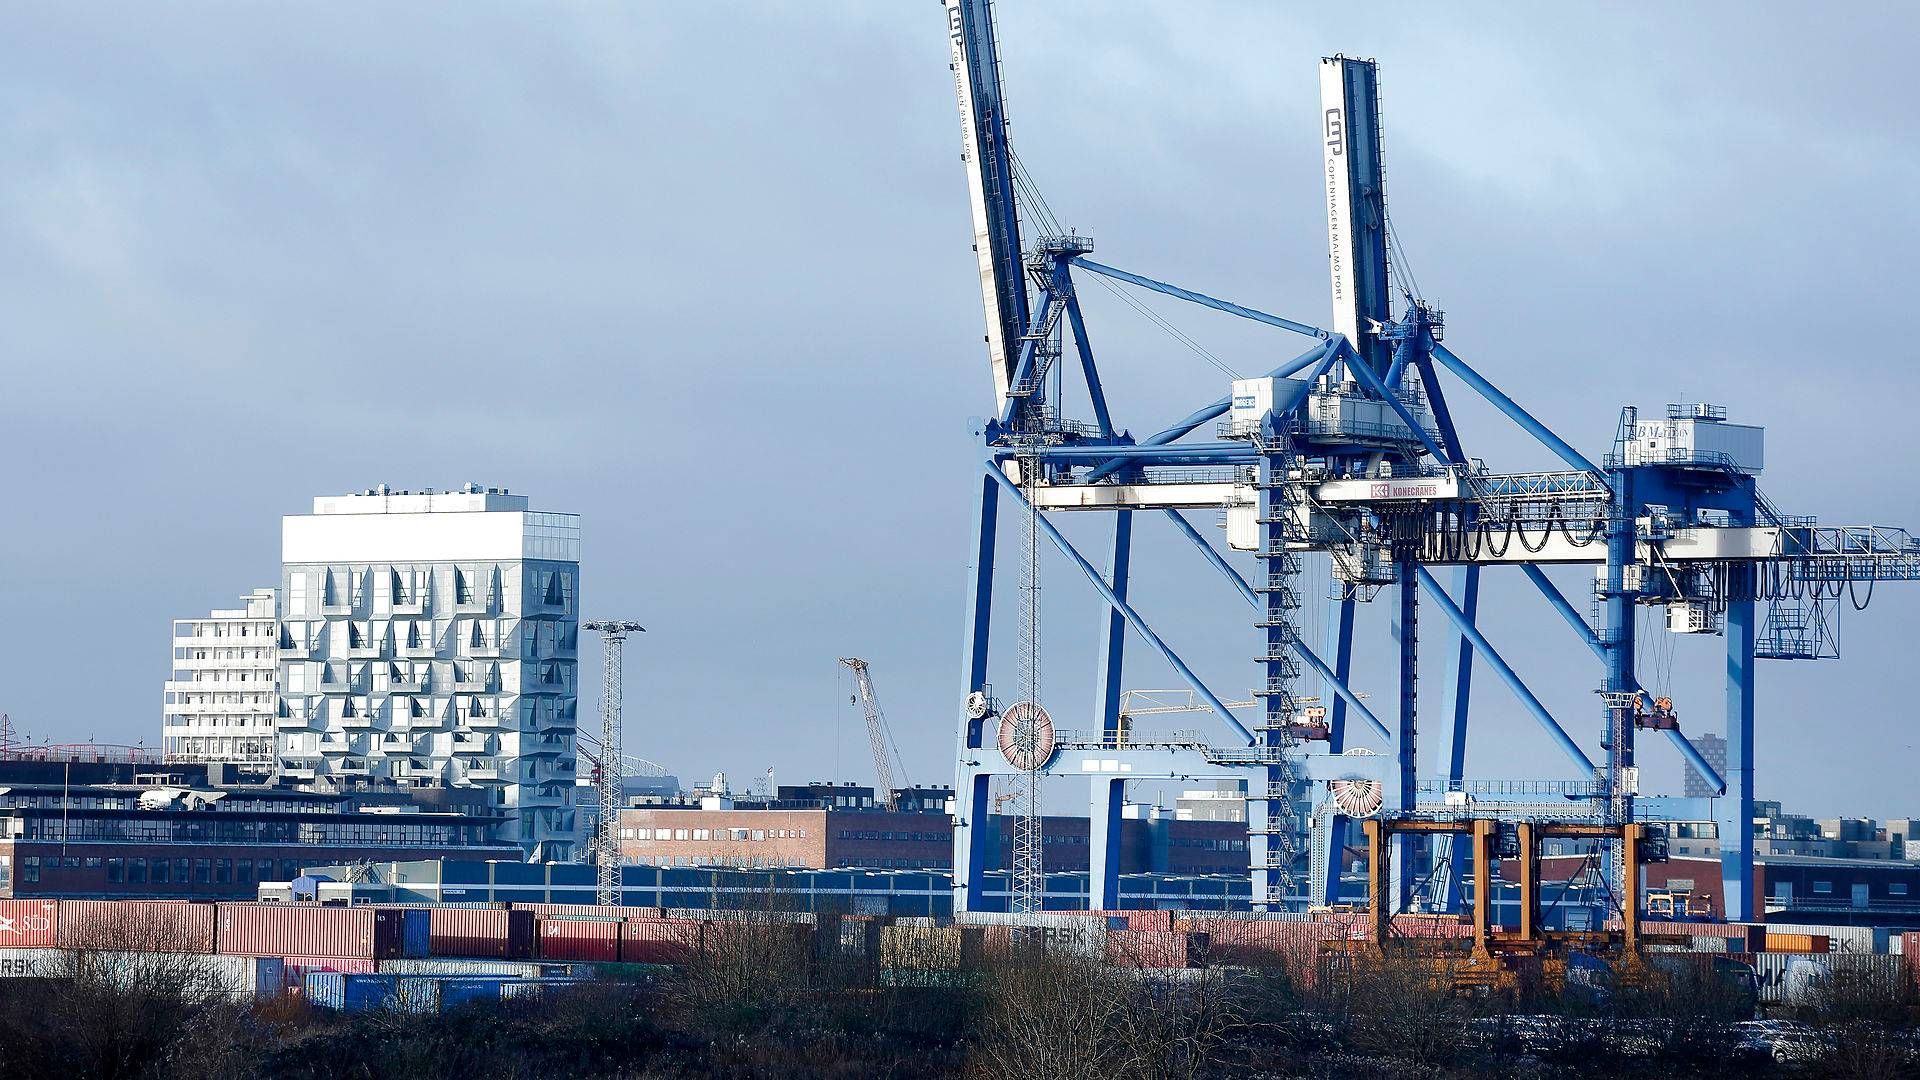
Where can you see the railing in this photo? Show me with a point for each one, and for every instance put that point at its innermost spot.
(1130, 740)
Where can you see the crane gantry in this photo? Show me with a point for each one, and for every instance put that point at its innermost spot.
(1350, 454)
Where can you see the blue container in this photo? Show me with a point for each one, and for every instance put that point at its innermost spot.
(460, 991)
(416, 932)
(351, 991)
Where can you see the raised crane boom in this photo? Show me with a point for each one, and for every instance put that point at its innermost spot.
(989, 158)
(876, 731)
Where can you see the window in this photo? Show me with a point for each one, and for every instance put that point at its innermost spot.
(161, 871)
(136, 871)
(682, 834)
(223, 871)
(1896, 888)
(183, 871)
(703, 834)
(203, 871)
(1823, 887)
(759, 834)
(116, 871)
(30, 868)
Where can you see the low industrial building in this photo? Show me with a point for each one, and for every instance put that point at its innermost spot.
(833, 826)
(109, 829)
(871, 892)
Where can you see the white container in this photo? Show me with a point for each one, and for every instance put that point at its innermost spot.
(242, 978)
(1803, 979)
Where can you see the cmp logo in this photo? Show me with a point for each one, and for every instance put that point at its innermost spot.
(1336, 133)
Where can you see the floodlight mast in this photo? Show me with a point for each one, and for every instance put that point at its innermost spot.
(606, 840)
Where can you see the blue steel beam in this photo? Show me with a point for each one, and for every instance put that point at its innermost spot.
(1338, 682)
(1504, 670)
(973, 844)
(1216, 409)
(1460, 660)
(1094, 391)
(1024, 366)
(1734, 815)
(1399, 407)
(1573, 618)
(1139, 455)
(1334, 836)
(1202, 299)
(1133, 618)
(1520, 416)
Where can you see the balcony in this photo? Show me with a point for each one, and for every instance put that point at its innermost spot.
(367, 649)
(350, 767)
(421, 648)
(429, 722)
(547, 796)
(542, 747)
(297, 722)
(419, 603)
(487, 648)
(297, 772)
(298, 650)
(474, 682)
(491, 719)
(330, 744)
(492, 771)
(360, 720)
(464, 743)
(406, 769)
(407, 684)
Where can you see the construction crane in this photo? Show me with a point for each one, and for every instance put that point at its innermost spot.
(877, 733)
(1349, 455)
(606, 841)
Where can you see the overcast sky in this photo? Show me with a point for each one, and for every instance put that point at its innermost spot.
(700, 272)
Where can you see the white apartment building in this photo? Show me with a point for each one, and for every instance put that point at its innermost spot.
(220, 698)
(432, 638)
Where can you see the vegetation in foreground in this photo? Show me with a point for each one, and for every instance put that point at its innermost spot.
(763, 1007)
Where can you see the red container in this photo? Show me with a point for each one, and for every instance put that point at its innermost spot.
(659, 941)
(137, 925)
(604, 911)
(1155, 949)
(1270, 943)
(28, 923)
(311, 930)
(1431, 926)
(487, 932)
(772, 939)
(593, 940)
(1149, 920)
(298, 966)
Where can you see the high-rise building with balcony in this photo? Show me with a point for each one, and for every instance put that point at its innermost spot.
(432, 638)
(222, 690)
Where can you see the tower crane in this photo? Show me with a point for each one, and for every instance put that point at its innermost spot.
(877, 733)
(606, 842)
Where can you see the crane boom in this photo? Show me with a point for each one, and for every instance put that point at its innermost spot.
(989, 159)
(876, 731)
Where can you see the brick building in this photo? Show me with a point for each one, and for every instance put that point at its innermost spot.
(805, 828)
